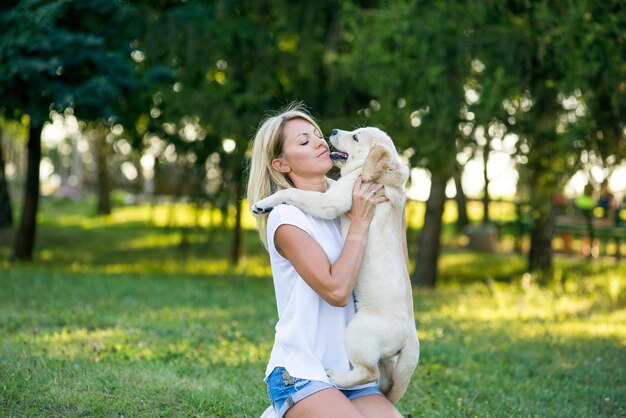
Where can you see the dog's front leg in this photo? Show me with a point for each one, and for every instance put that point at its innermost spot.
(334, 202)
(267, 204)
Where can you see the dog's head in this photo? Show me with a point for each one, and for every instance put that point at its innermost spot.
(371, 149)
(355, 145)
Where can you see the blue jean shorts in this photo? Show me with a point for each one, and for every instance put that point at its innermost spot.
(284, 391)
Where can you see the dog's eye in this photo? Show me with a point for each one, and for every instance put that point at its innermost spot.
(356, 139)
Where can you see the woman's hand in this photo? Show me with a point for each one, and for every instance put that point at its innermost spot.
(365, 197)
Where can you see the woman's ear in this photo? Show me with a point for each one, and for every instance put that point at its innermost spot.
(281, 166)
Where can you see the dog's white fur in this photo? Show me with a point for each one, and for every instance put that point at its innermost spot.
(381, 340)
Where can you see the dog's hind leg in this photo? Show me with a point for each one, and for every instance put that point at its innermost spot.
(363, 352)
(360, 373)
(386, 367)
(407, 361)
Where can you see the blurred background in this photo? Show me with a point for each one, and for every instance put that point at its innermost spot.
(504, 110)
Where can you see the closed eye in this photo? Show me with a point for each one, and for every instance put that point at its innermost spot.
(356, 139)
(304, 138)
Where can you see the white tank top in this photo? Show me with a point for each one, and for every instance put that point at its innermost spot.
(309, 333)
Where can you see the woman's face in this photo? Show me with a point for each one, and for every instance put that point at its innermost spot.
(305, 153)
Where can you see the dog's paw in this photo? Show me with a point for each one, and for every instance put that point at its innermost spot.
(259, 210)
(341, 379)
(384, 384)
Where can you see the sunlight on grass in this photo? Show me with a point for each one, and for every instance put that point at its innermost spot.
(503, 211)
(172, 266)
(172, 214)
(213, 335)
(256, 266)
(75, 343)
(100, 344)
(150, 241)
(612, 325)
(64, 214)
(531, 307)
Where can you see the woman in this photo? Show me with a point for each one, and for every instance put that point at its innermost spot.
(314, 272)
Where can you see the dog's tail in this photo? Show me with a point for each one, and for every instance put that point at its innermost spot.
(405, 365)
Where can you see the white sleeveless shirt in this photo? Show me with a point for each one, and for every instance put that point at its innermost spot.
(309, 333)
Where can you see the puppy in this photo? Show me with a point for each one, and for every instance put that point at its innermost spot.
(381, 340)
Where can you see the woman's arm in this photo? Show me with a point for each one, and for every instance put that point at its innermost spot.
(333, 282)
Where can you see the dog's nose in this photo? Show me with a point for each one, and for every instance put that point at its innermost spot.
(333, 132)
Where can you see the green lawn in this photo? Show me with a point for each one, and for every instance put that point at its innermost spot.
(116, 318)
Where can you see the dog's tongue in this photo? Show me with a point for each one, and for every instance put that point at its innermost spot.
(339, 155)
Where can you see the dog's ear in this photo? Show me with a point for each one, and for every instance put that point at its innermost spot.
(377, 162)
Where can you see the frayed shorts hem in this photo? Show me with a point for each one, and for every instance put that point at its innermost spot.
(285, 394)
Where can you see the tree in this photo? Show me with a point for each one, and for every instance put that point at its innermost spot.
(232, 62)
(54, 55)
(412, 60)
(6, 210)
(219, 55)
(597, 77)
(561, 55)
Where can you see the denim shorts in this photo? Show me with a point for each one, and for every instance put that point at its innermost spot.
(284, 391)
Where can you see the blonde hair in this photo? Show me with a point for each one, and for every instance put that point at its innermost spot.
(267, 145)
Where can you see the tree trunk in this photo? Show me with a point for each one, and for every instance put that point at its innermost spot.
(540, 254)
(486, 198)
(236, 248)
(104, 181)
(6, 210)
(425, 273)
(461, 202)
(25, 237)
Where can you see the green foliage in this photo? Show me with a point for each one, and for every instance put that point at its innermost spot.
(216, 68)
(412, 61)
(60, 54)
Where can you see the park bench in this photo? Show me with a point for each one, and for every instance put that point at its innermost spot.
(572, 223)
(577, 226)
(602, 229)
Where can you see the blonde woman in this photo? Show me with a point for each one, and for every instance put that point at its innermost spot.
(314, 272)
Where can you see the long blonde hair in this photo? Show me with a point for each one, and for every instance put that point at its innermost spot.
(267, 145)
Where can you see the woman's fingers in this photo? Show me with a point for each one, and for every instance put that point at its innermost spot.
(358, 183)
(372, 192)
(376, 196)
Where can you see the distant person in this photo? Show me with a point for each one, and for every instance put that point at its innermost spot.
(621, 213)
(585, 205)
(560, 205)
(608, 203)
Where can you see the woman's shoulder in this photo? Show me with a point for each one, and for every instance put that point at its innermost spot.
(285, 213)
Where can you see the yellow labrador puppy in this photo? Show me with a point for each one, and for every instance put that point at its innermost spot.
(381, 340)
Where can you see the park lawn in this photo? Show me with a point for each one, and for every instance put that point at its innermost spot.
(117, 318)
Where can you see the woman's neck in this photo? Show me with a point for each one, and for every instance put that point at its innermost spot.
(317, 184)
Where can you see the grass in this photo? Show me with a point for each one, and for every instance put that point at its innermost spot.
(117, 318)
